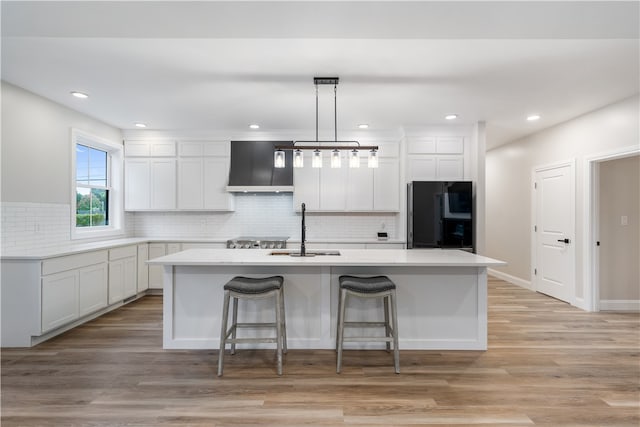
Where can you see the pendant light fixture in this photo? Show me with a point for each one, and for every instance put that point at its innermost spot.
(335, 146)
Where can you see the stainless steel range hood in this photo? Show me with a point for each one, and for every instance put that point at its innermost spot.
(251, 169)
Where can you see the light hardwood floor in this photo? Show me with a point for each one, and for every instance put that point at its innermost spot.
(548, 364)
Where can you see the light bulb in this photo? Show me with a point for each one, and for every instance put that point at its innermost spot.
(278, 159)
(354, 159)
(336, 162)
(373, 159)
(298, 159)
(316, 161)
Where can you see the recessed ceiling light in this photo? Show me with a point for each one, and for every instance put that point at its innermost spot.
(79, 95)
(254, 126)
(451, 116)
(363, 126)
(140, 125)
(533, 118)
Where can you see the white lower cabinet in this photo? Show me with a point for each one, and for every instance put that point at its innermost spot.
(123, 273)
(59, 299)
(143, 269)
(92, 288)
(72, 286)
(156, 271)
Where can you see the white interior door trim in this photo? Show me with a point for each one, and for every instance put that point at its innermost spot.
(591, 261)
(541, 168)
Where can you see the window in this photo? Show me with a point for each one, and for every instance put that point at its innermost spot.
(92, 187)
(96, 206)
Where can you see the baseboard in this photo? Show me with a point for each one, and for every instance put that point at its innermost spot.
(509, 278)
(619, 305)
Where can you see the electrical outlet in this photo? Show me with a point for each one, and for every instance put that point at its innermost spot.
(624, 220)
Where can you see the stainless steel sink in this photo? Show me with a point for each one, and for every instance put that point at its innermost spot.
(320, 252)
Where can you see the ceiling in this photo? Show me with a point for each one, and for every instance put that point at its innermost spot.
(402, 65)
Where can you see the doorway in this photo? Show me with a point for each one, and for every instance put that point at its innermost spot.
(610, 283)
(553, 251)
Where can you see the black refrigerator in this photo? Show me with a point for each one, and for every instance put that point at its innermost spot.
(440, 215)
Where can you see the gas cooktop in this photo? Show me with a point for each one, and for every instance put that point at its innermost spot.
(254, 242)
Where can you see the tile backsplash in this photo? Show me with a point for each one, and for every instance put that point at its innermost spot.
(260, 214)
(42, 225)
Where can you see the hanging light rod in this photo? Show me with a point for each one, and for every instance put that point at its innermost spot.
(317, 145)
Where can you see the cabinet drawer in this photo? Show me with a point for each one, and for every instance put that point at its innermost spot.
(70, 262)
(124, 252)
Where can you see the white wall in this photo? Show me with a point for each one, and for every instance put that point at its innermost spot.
(36, 168)
(36, 146)
(509, 187)
(619, 244)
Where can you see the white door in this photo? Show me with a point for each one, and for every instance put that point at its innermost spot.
(554, 254)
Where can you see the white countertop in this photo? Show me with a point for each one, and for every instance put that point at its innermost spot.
(347, 257)
(72, 248)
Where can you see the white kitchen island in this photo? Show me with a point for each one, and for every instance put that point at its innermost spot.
(441, 295)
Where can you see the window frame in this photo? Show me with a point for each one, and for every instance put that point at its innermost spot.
(114, 151)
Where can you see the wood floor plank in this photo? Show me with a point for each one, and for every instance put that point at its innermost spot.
(548, 364)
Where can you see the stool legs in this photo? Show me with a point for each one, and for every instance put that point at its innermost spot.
(341, 308)
(223, 331)
(390, 324)
(230, 334)
(394, 319)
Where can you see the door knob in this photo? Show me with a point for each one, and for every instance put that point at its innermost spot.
(564, 240)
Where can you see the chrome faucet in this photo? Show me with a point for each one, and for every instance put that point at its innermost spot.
(303, 250)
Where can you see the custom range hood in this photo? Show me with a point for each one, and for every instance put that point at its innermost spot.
(251, 169)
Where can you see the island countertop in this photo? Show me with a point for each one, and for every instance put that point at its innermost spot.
(347, 257)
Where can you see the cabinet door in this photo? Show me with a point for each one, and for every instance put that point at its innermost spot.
(360, 187)
(190, 184)
(116, 281)
(306, 185)
(93, 288)
(130, 276)
(216, 178)
(155, 271)
(421, 168)
(59, 299)
(143, 269)
(163, 184)
(163, 148)
(137, 184)
(333, 191)
(386, 186)
(450, 168)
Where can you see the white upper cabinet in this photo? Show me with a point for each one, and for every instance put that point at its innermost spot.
(306, 185)
(187, 175)
(360, 187)
(435, 158)
(203, 173)
(386, 188)
(333, 184)
(348, 189)
(163, 184)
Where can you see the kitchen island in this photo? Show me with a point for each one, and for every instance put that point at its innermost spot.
(441, 295)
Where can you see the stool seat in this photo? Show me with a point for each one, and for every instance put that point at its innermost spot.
(366, 284)
(251, 285)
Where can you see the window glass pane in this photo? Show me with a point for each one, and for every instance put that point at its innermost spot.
(82, 164)
(97, 167)
(91, 207)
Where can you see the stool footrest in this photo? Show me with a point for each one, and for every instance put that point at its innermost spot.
(251, 340)
(367, 339)
(365, 324)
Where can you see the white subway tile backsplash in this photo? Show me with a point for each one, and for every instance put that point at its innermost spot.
(39, 225)
(43, 225)
(263, 215)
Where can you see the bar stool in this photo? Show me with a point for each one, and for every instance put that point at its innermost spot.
(369, 287)
(252, 288)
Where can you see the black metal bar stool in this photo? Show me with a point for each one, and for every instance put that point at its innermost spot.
(369, 287)
(252, 288)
